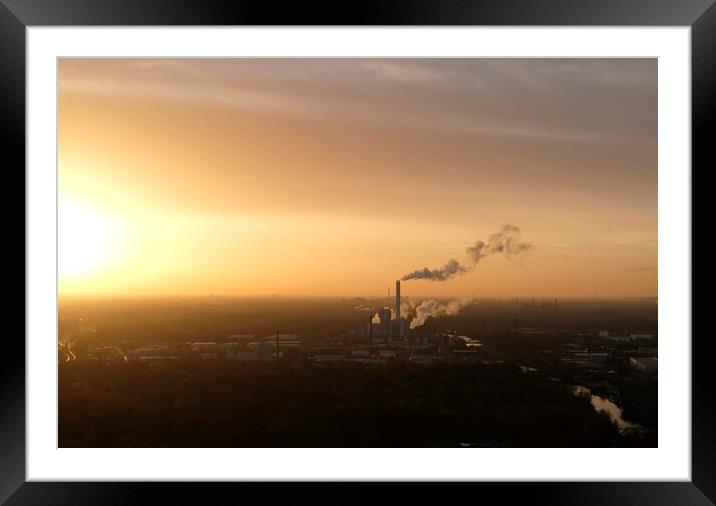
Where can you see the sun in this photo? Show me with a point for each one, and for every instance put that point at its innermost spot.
(84, 239)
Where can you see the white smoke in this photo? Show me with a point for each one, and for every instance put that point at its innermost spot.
(431, 309)
(507, 241)
(406, 306)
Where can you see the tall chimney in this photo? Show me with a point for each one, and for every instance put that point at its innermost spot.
(397, 307)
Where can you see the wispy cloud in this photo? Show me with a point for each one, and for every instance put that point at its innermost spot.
(404, 71)
(230, 83)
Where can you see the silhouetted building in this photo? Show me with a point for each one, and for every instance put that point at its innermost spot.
(384, 316)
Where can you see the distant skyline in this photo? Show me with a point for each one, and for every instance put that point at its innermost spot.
(338, 176)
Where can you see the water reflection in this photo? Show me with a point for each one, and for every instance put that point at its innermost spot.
(601, 404)
(470, 342)
(579, 390)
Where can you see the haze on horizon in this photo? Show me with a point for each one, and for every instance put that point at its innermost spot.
(338, 176)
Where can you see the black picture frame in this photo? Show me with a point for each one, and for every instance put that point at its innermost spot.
(700, 15)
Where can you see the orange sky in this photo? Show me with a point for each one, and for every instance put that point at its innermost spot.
(336, 177)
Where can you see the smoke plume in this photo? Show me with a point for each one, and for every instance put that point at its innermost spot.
(407, 306)
(431, 309)
(508, 241)
(450, 269)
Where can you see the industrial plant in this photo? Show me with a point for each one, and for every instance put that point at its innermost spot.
(390, 327)
(278, 354)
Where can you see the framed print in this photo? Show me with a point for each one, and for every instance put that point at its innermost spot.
(444, 242)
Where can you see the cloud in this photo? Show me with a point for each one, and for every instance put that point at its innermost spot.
(568, 101)
(404, 71)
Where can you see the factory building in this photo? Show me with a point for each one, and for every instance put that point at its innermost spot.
(388, 329)
(386, 325)
(384, 315)
(390, 323)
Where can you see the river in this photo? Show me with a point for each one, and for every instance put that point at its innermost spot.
(601, 404)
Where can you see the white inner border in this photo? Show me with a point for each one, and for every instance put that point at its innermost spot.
(670, 461)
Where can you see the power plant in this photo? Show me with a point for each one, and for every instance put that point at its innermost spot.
(396, 331)
(390, 322)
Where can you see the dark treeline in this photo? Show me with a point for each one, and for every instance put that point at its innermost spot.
(142, 321)
(139, 321)
(222, 404)
(566, 315)
(190, 403)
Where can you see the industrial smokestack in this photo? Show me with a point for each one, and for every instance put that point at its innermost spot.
(397, 306)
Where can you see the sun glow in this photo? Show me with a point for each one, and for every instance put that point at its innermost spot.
(261, 183)
(85, 238)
